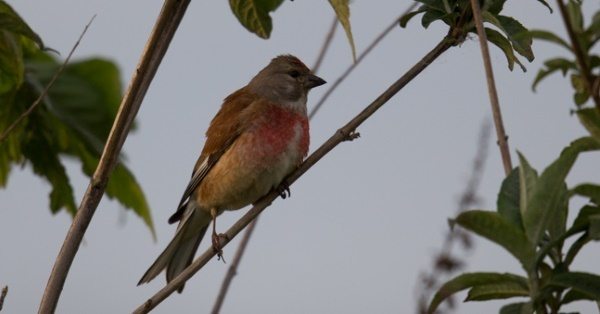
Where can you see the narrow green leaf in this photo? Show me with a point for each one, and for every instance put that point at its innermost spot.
(594, 230)
(407, 17)
(545, 4)
(517, 308)
(254, 15)
(542, 73)
(527, 180)
(494, 6)
(544, 204)
(502, 290)
(583, 218)
(561, 64)
(585, 283)
(549, 36)
(431, 16)
(575, 16)
(558, 225)
(501, 42)
(342, 11)
(12, 22)
(492, 226)
(509, 198)
(590, 119)
(575, 295)
(518, 35)
(12, 68)
(469, 280)
(589, 190)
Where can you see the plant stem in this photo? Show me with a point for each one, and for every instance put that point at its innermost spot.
(164, 29)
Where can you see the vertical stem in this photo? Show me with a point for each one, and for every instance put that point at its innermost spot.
(493, 94)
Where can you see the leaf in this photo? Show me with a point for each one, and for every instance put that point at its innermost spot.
(575, 16)
(492, 226)
(517, 308)
(501, 42)
(503, 290)
(254, 15)
(590, 119)
(494, 6)
(594, 230)
(342, 11)
(545, 4)
(527, 180)
(407, 17)
(583, 218)
(551, 66)
(518, 35)
(12, 22)
(431, 16)
(12, 68)
(549, 36)
(575, 295)
(469, 280)
(544, 204)
(509, 198)
(585, 283)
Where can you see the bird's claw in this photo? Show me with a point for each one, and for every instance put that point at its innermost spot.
(284, 190)
(217, 248)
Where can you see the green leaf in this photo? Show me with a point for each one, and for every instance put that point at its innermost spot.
(594, 230)
(407, 17)
(342, 11)
(553, 65)
(509, 198)
(590, 119)
(435, 5)
(545, 4)
(12, 22)
(558, 225)
(502, 290)
(517, 308)
(469, 280)
(527, 180)
(12, 68)
(545, 202)
(431, 16)
(492, 226)
(254, 15)
(575, 295)
(585, 283)
(575, 16)
(501, 42)
(583, 218)
(518, 35)
(494, 6)
(549, 36)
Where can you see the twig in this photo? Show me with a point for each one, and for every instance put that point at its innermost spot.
(588, 79)
(349, 70)
(164, 29)
(341, 135)
(489, 75)
(3, 296)
(232, 271)
(47, 88)
(248, 233)
(444, 263)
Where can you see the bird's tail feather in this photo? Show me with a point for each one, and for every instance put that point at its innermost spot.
(180, 251)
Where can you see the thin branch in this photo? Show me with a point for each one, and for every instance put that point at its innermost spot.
(47, 88)
(349, 70)
(588, 79)
(3, 296)
(489, 75)
(345, 133)
(325, 46)
(164, 29)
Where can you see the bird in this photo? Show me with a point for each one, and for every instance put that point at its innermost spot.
(258, 137)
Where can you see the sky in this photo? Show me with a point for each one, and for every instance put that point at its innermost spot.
(360, 226)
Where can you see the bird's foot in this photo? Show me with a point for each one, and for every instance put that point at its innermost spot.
(284, 190)
(216, 243)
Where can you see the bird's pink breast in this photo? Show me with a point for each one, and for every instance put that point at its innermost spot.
(280, 131)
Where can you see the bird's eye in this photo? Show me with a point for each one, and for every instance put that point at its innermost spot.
(294, 73)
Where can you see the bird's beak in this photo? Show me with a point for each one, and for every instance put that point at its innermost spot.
(314, 81)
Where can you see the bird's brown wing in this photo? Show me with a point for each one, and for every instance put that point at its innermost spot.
(222, 132)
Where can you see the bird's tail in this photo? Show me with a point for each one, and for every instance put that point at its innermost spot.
(180, 251)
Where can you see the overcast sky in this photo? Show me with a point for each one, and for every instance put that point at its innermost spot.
(360, 225)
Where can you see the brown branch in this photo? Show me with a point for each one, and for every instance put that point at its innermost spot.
(493, 94)
(325, 46)
(349, 70)
(343, 134)
(47, 88)
(3, 296)
(586, 73)
(164, 29)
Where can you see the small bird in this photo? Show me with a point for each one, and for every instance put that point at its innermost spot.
(258, 137)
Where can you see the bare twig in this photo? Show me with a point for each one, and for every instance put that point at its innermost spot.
(445, 262)
(349, 70)
(586, 73)
(325, 46)
(489, 75)
(232, 271)
(164, 29)
(47, 88)
(3, 296)
(339, 136)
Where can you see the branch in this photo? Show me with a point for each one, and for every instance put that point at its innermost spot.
(164, 29)
(349, 70)
(489, 75)
(3, 296)
(588, 79)
(345, 133)
(325, 46)
(47, 88)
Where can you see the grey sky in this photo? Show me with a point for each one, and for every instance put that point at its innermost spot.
(359, 226)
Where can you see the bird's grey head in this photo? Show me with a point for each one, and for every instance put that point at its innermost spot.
(286, 80)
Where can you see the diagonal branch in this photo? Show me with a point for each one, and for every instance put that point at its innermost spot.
(3, 296)
(44, 92)
(586, 73)
(164, 29)
(347, 132)
(489, 75)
